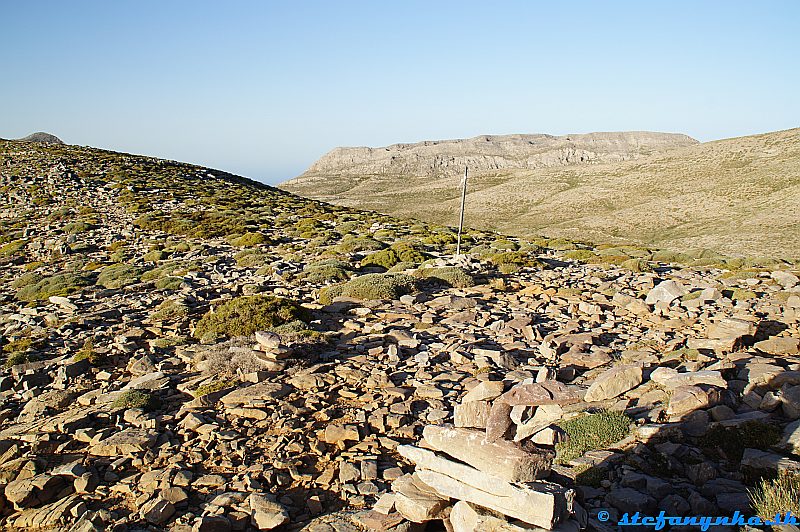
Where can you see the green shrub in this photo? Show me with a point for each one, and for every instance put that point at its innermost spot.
(777, 496)
(730, 442)
(407, 252)
(581, 255)
(449, 275)
(119, 276)
(385, 258)
(18, 357)
(591, 432)
(155, 255)
(326, 271)
(169, 283)
(250, 258)
(135, 399)
(355, 244)
(74, 228)
(516, 258)
(637, 265)
(371, 286)
(504, 244)
(169, 310)
(12, 248)
(440, 240)
(400, 267)
(213, 386)
(245, 315)
(56, 285)
(509, 267)
(87, 352)
(560, 244)
(248, 240)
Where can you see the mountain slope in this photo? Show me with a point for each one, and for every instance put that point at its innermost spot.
(186, 349)
(738, 196)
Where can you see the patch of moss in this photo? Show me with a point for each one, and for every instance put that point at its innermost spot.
(245, 315)
(591, 432)
(371, 286)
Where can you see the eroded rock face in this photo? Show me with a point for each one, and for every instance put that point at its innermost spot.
(493, 152)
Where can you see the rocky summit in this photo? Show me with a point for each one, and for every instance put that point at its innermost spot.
(188, 350)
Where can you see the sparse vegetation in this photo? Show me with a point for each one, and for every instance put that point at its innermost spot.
(135, 399)
(87, 352)
(449, 275)
(37, 288)
(729, 443)
(590, 432)
(777, 496)
(371, 286)
(245, 315)
(119, 276)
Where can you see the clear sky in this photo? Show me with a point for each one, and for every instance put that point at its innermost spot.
(264, 88)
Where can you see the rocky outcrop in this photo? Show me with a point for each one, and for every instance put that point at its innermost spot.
(492, 153)
(42, 137)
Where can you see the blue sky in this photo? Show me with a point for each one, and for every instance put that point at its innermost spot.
(264, 88)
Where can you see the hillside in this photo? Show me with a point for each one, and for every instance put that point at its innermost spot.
(44, 138)
(184, 349)
(736, 196)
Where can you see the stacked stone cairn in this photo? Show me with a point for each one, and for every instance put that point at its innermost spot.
(489, 471)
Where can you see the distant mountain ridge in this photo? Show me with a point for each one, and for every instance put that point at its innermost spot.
(488, 153)
(41, 137)
(739, 196)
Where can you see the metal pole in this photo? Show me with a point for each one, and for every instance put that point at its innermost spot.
(461, 217)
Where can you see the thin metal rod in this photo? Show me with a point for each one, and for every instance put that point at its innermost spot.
(461, 217)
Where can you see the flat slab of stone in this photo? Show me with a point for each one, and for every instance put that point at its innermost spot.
(671, 378)
(417, 501)
(779, 346)
(614, 382)
(540, 393)
(540, 504)
(473, 414)
(129, 441)
(255, 395)
(503, 459)
(665, 292)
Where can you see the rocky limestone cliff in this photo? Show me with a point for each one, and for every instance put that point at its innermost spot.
(488, 153)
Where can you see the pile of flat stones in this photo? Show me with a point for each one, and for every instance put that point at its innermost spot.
(490, 470)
